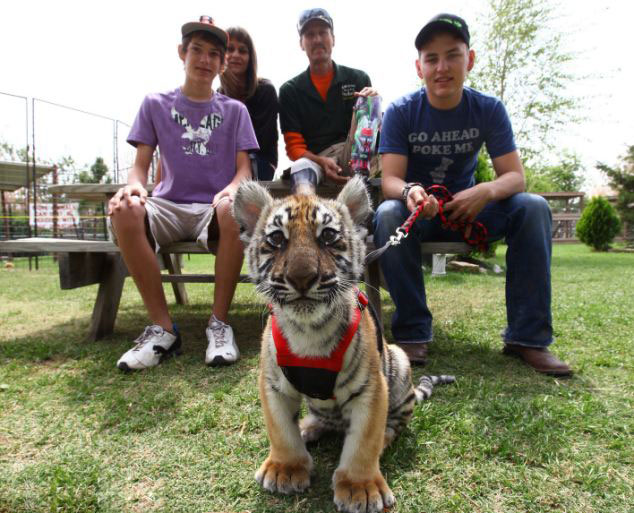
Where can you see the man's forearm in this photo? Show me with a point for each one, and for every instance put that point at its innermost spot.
(392, 187)
(505, 185)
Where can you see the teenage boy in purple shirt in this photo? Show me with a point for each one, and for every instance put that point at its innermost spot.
(433, 136)
(203, 137)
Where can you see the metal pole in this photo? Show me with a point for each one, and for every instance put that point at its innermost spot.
(37, 266)
(115, 151)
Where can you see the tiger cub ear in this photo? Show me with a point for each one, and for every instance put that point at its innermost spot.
(355, 196)
(250, 200)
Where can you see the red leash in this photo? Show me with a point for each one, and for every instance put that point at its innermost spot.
(477, 238)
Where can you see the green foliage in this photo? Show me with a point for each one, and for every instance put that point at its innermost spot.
(10, 153)
(537, 181)
(599, 224)
(97, 172)
(521, 61)
(484, 169)
(567, 175)
(622, 179)
(484, 173)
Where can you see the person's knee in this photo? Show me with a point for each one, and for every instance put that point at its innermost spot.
(536, 207)
(226, 223)
(389, 215)
(129, 218)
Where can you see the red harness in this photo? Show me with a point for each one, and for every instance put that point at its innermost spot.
(315, 376)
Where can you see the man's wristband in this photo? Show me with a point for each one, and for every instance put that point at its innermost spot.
(407, 187)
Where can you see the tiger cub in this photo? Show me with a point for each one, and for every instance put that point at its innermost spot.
(305, 255)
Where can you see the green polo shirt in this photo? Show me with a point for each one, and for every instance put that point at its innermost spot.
(322, 124)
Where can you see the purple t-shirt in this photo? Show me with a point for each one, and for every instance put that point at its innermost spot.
(198, 142)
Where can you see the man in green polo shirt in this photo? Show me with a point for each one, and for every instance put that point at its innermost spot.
(316, 107)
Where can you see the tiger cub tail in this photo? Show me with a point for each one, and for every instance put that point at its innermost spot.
(426, 385)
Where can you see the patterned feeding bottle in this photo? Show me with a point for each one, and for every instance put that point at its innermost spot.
(367, 113)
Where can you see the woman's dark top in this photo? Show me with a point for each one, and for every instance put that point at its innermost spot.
(263, 109)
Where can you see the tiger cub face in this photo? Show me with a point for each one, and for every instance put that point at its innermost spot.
(304, 252)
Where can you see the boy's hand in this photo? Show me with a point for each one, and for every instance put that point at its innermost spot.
(467, 204)
(416, 196)
(227, 193)
(125, 194)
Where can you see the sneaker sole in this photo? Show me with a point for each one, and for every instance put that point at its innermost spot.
(219, 361)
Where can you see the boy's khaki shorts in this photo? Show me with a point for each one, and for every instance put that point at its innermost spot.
(168, 222)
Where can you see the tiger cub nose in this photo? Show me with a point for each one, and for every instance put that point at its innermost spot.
(302, 277)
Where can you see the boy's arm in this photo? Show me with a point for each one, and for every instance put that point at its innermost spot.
(243, 172)
(394, 166)
(467, 204)
(137, 178)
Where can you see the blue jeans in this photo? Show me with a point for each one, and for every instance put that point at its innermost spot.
(524, 220)
(262, 168)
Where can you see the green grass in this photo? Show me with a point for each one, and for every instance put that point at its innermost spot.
(76, 435)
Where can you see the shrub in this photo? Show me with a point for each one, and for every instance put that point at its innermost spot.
(599, 224)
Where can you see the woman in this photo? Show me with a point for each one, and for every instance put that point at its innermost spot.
(240, 81)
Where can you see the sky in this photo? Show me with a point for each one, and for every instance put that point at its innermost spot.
(104, 57)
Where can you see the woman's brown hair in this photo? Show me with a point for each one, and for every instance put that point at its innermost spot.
(229, 83)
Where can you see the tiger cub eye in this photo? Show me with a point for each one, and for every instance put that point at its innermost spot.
(276, 239)
(328, 236)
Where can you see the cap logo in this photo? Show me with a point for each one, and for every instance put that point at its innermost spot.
(453, 22)
(206, 19)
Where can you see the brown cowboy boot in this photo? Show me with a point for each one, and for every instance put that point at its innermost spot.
(417, 353)
(540, 359)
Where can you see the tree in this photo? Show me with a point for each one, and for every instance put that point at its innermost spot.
(97, 171)
(622, 179)
(521, 61)
(599, 224)
(567, 175)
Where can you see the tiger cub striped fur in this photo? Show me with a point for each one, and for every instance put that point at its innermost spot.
(305, 255)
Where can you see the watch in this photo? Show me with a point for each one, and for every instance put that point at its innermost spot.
(407, 187)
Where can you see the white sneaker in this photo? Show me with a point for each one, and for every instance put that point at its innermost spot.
(222, 348)
(151, 348)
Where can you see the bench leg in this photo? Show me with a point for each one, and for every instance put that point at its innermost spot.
(106, 306)
(373, 287)
(173, 266)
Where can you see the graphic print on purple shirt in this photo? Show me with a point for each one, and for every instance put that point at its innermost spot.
(198, 142)
(197, 138)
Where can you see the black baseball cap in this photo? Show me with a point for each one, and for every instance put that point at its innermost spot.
(316, 13)
(443, 23)
(206, 24)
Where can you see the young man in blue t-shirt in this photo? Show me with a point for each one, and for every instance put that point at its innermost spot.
(433, 136)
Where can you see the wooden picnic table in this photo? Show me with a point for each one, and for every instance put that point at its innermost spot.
(86, 262)
(277, 188)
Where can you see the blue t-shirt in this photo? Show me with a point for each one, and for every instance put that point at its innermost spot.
(442, 145)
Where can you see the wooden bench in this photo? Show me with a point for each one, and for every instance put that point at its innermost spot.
(85, 262)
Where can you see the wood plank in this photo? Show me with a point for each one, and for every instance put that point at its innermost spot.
(196, 278)
(80, 269)
(566, 217)
(173, 268)
(448, 248)
(104, 312)
(51, 245)
(277, 188)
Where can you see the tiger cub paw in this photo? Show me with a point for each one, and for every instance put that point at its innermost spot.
(282, 477)
(362, 496)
